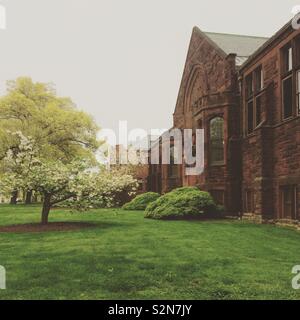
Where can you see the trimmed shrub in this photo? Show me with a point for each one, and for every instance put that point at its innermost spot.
(141, 201)
(183, 203)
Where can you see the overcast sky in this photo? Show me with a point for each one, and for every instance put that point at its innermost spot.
(121, 59)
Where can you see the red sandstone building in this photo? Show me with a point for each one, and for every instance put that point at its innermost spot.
(245, 93)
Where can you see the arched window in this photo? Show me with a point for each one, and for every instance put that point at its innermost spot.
(216, 141)
(173, 167)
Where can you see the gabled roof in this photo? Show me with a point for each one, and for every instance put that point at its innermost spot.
(242, 46)
(270, 42)
(223, 44)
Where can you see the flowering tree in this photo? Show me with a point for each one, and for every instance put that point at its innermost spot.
(60, 130)
(18, 162)
(77, 182)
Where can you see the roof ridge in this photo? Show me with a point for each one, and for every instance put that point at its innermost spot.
(204, 34)
(269, 42)
(236, 35)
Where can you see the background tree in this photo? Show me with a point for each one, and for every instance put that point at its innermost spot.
(59, 129)
(79, 182)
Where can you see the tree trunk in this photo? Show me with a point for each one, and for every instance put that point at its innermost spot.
(14, 198)
(46, 208)
(35, 198)
(28, 199)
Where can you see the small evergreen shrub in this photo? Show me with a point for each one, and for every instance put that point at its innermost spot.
(183, 203)
(141, 201)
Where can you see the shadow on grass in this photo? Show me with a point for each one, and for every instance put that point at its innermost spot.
(189, 218)
(56, 226)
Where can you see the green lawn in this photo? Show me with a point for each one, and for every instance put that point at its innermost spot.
(124, 256)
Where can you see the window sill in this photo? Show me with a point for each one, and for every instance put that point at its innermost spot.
(259, 92)
(286, 74)
(173, 177)
(249, 135)
(218, 164)
(287, 119)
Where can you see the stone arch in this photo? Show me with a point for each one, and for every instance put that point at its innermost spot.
(216, 140)
(197, 86)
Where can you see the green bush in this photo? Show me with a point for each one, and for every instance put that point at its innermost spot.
(140, 202)
(183, 203)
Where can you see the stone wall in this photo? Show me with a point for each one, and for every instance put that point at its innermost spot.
(271, 153)
(257, 165)
(208, 89)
